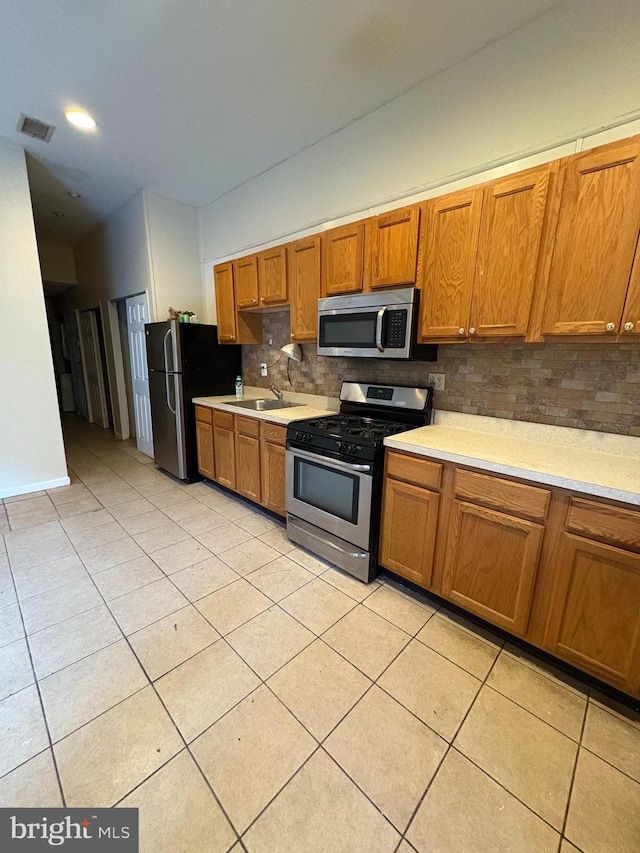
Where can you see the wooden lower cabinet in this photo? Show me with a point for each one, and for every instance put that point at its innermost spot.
(273, 477)
(248, 467)
(559, 569)
(224, 457)
(491, 564)
(204, 442)
(409, 522)
(594, 619)
(244, 454)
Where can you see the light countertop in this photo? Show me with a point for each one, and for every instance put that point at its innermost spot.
(307, 405)
(594, 463)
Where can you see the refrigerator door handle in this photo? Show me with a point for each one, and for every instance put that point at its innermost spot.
(166, 382)
(164, 350)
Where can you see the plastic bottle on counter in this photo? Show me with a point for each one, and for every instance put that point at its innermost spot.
(239, 388)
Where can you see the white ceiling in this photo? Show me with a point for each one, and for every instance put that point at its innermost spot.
(193, 97)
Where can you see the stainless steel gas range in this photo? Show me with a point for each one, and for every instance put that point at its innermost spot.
(334, 468)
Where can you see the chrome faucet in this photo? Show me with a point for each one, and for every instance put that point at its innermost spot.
(278, 394)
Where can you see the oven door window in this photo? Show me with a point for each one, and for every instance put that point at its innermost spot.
(356, 330)
(332, 491)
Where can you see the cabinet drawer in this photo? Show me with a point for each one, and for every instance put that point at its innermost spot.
(275, 433)
(515, 498)
(412, 469)
(607, 523)
(224, 420)
(247, 426)
(203, 413)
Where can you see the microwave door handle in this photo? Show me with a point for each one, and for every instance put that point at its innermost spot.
(379, 320)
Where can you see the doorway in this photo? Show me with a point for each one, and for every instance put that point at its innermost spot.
(133, 313)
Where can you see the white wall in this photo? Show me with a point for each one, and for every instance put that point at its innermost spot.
(31, 448)
(56, 262)
(175, 254)
(573, 71)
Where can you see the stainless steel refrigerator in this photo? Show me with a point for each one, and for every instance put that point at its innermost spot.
(185, 360)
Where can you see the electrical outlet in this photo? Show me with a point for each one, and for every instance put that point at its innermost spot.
(436, 381)
(263, 368)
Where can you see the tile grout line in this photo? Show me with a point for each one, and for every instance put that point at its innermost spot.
(573, 772)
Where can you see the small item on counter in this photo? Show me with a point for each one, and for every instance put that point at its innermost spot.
(194, 318)
(239, 388)
(173, 314)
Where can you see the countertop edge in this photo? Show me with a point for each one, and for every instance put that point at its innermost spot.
(293, 413)
(593, 489)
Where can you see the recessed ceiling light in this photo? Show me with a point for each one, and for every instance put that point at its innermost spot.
(74, 195)
(80, 119)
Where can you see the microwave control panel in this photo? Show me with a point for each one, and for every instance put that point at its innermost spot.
(396, 332)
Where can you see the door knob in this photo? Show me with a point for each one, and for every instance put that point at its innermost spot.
(610, 327)
(461, 331)
(628, 327)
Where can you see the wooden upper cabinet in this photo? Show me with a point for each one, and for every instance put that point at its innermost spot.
(225, 303)
(595, 241)
(272, 277)
(594, 620)
(631, 315)
(245, 271)
(392, 248)
(491, 564)
(304, 287)
(450, 238)
(343, 259)
(513, 213)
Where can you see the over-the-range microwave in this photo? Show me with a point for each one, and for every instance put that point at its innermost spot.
(372, 325)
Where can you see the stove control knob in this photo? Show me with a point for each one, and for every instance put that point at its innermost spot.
(299, 436)
(307, 438)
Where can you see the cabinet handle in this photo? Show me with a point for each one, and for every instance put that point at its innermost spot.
(254, 301)
(293, 337)
(263, 300)
(461, 331)
(628, 327)
(472, 331)
(610, 327)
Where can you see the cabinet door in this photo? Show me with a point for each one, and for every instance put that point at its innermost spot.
(225, 304)
(304, 288)
(248, 467)
(594, 620)
(595, 241)
(408, 537)
(392, 248)
(510, 234)
(450, 237)
(631, 315)
(273, 481)
(224, 457)
(204, 443)
(245, 271)
(342, 259)
(491, 564)
(272, 276)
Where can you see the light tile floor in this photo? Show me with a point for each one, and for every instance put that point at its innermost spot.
(166, 647)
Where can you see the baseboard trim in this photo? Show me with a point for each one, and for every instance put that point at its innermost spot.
(34, 487)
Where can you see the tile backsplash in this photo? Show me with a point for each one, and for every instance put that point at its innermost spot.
(588, 386)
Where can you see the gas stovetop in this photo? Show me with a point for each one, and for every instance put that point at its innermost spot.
(368, 414)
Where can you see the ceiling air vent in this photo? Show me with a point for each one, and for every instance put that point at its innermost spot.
(37, 129)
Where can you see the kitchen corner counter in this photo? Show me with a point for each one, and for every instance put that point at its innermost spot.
(597, 464)
(306, 406)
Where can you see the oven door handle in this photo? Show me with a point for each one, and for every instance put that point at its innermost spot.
(330, 463)
(379, 321)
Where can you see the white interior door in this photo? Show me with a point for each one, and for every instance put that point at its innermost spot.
(137, 316)
(92, 367)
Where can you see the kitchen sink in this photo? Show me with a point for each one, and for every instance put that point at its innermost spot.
(262, 405)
